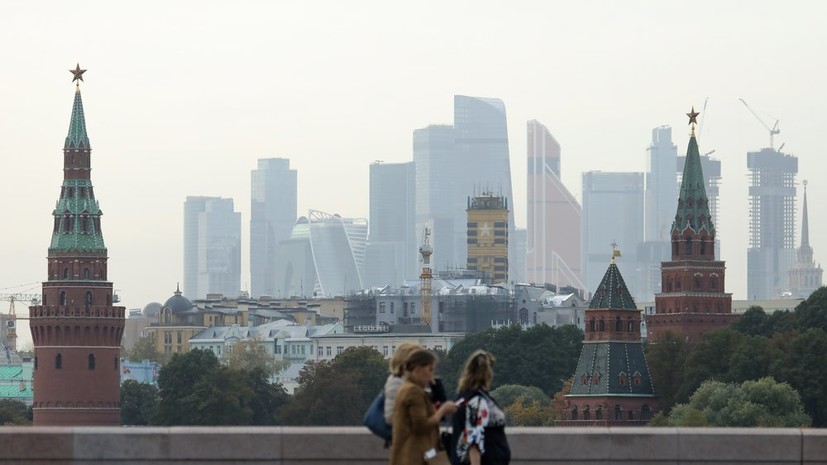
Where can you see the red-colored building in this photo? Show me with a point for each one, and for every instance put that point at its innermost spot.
(693, 300)
(77, 330)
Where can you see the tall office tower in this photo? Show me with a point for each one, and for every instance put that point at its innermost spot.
(323, 257)
(553, 245)
(693, 300)
(487, 237)
(390, 257)
(661, 187)
(805, 276)
(612, 385)
(439, 203)
(481, 139)
(517, 263)
(612, 212)
(212, 247)
(273, 212)
(771, 250)
(76, 331)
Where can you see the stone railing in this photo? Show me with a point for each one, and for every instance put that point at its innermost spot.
(354, 445)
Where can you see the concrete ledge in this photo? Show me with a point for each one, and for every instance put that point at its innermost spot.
(322, 445)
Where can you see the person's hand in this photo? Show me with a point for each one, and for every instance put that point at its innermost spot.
(448, 407)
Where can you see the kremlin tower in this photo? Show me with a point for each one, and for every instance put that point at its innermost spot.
(77, 331)
(692, 301)
(611, 385)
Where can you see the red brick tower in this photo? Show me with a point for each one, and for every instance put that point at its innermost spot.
(693, 300)
(76, 331)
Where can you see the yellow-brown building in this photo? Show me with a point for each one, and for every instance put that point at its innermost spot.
(488, 237)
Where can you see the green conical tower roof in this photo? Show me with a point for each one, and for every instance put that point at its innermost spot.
(612, 292)
(77, 138)
(693, 204)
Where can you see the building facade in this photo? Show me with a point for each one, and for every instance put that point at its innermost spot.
(554, 215)
(273, 212)
(693, 300)
(771, 251)
(77, 330)
(212, 247)
(487, 240)
(805, 276)
(390, 256)
(612, 212)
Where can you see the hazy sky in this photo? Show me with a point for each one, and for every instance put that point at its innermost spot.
(183, 97)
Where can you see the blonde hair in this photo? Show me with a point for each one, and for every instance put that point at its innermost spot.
(419, 358)
(400, 356)
(478, 372)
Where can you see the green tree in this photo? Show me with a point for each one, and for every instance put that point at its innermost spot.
(14, 412)
(802, 365)
(540, 356)
(145, 348)
(251, 354)
(812, 312)
(667, 365)
(177, 381)
(337, 392)
(507, 394)
(762, 403)
(138, 403)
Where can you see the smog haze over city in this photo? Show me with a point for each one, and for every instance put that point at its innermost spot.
(182, 98)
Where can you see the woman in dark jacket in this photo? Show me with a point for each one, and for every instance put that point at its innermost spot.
(479, 424)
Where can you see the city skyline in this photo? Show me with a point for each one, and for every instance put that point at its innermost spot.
(336, 102)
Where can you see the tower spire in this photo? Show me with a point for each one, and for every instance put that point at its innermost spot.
(693, 204)
(77, 138)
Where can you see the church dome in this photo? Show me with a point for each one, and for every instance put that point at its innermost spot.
(151, 309)
(178, 303)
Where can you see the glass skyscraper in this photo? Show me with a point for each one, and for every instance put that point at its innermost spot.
(273, 211)
(212, 247)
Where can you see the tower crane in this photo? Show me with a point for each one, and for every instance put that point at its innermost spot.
(772, 130)
(9, 329)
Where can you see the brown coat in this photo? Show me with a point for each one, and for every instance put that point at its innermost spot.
(414, 432)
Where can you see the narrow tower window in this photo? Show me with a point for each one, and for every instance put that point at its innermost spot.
(63, 298)
(86, 273)
(688, 246)
(91, 359)
(88, 298)
(59, 361)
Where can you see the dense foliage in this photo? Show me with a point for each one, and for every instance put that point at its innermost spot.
(761, 403)
(138, 403)
(786, 346)
(14, 412)
(337, 392)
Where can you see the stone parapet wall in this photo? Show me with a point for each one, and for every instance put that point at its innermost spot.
(355, 445)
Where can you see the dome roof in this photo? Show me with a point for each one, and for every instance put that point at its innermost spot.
(178, 303)
(151, 309)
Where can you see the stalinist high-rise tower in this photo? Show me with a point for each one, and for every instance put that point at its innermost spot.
(76, 331)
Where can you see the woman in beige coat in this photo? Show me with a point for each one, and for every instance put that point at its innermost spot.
(415, 420)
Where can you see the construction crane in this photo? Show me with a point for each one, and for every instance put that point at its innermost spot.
(772, 130)
(426, 277)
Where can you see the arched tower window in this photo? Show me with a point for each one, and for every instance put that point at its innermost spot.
(59, 361)
(66, 273)
(601, 325)
(598, 414)
(587, 415)
(88, 298)
(703, 246)
(574, 415)
(618, 325)
(62, 297)
(591, 325)
(91, 360)
(618, 412)
(631, 325)
(86, 273)
(688, 246)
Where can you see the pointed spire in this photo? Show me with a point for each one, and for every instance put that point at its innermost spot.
(612, 292)
(805, 223)
(77, 138)
(693, 204)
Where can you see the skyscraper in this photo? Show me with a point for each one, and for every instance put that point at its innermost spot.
(553, 248)
(661, 185)
(693, 299)
(212, 247)
(323, 257)
(391, 250)
(487, 237)
(771, 250)
(451, 161)
(76, 331)
(805, 276)
(612, 212)
(273, 212)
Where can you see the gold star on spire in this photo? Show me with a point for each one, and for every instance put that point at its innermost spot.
(78, 73)
(693, 119)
